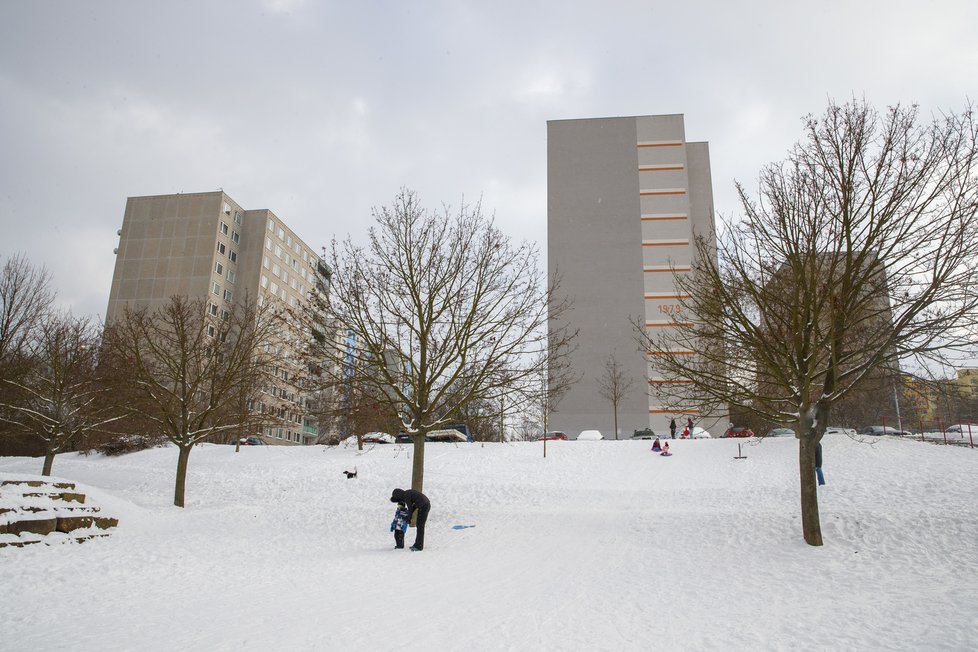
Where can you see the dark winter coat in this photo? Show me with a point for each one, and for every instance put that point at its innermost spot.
(414, 500)
(818, 455)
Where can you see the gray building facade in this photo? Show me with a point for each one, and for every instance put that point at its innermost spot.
(206, 246)
(624, 198)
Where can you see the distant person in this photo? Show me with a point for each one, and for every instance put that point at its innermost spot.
(657, 445)
(400, 524)
(672, 428)
(416, 502)
(818, 464)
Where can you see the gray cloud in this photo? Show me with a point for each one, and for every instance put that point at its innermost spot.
(321, 110)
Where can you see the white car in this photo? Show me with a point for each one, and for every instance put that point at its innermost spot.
(700, 433)
(962, 429)
(590, 435)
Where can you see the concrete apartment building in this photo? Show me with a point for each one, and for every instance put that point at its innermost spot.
(624, 198)
(206, 246)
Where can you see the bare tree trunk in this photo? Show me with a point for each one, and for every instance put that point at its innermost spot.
(614, 406)
(48, 463)
(811, 528)
(417, 468)
(181, 484)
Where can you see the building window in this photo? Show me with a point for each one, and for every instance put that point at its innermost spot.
(276, 270)
(264, 281)
(237, 217)
(235, 238)
(288, 240)
(228, 295)
(230, 276)
(233, 256)
(210, 331)
(219, 268)
(285, 278)
(224, 228)
(281, 233)
(225, 315)
(278, 251)
(268, 244)
(216, 289)
(221, 248)
(271, 226)
(213, 309)
(274, 288)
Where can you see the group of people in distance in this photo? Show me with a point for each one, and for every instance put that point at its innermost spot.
(661, 448)
(687, 431)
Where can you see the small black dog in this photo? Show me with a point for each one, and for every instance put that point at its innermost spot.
(351, 474)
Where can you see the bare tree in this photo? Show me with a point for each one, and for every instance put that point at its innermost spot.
(61, 397)
(614, 385)
(556, 375)
(445, 310)
(857, 254)
(25, 297)
(186, 372)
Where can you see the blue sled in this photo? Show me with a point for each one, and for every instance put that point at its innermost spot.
(461, 527)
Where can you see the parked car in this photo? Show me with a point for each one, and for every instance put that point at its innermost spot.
(962, 429)
(738, 431)
(646, 433)
(554, 435)
(780, 432)
(837, 430)
(252, 441)
(701, 433)
(879, 431)
(378, 438)
(590, 435)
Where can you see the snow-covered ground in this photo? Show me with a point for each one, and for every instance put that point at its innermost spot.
(600, 546)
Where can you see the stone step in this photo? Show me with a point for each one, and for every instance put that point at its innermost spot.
(37, 483)
(78, 536)
(62, 495)
(48, 507)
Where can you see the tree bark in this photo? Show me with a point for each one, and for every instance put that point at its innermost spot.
(181, 483)
(417, 468)
(48, 463)
(811, 528)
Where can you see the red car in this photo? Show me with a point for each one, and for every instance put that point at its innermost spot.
(556, 435)
(739, 431)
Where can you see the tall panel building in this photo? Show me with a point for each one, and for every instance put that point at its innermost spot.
(625, 196)
(206, 246)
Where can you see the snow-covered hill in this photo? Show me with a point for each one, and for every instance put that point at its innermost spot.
(600, 546)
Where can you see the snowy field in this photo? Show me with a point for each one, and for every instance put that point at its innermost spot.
(600, 546)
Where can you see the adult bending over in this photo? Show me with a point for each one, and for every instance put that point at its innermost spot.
(415, 502)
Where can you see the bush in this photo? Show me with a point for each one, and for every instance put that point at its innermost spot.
(122, 444)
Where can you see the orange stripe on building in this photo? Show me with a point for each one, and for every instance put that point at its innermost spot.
(666, 296)
(660, 143)
(654, 218)
(668, 269)
(660, 168)
(658, 193)
(670, 353)
(658, 324)
(663, 381)
(667, 243)
(683, 411)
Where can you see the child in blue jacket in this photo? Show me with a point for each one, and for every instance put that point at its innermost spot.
(400, 524)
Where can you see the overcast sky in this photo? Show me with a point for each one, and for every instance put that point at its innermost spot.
(321, 110)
